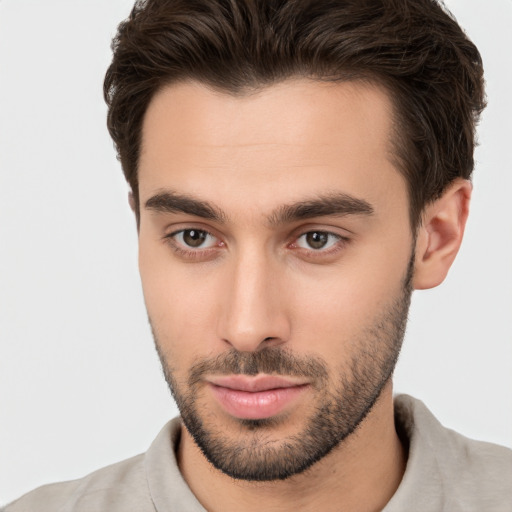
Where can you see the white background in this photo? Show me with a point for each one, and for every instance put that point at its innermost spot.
(80, 384)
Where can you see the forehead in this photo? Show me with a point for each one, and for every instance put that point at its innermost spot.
(296, 136)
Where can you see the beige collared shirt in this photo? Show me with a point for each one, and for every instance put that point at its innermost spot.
(445, 472)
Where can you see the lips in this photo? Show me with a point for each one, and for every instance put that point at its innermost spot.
(259, 397)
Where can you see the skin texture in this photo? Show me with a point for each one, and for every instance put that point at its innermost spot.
(256, 284)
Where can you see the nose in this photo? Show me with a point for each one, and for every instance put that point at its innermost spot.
(254, 305)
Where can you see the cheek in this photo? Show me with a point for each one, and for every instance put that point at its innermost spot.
(179, 305)
(334, 313)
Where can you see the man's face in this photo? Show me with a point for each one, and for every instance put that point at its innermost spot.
(275, 252)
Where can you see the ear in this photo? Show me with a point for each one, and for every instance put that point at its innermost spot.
(440, 234)
(131, 201)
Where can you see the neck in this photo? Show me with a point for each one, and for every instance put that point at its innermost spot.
(361, 474)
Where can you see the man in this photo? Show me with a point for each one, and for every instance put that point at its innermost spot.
(297, 169)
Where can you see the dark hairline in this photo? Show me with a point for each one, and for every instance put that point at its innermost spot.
(415, 48)
(395, 137)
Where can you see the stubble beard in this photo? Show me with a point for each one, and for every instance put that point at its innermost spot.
(340, 408)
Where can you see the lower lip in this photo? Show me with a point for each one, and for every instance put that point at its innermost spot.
(256, 405)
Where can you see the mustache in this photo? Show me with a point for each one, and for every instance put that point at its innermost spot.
(270, 361)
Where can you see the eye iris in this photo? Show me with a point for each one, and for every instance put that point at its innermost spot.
(317, 240)
(194, 237)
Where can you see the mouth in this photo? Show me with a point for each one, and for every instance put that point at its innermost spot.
(259, 397)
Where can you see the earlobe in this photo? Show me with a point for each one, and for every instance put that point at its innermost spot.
(440, 234)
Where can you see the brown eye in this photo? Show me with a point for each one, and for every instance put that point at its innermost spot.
(194, 244)
(194, 237)
(317, 240)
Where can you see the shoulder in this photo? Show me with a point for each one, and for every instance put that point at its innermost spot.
(118, 487)
(132, 485)
(465, 474)
(476, 468)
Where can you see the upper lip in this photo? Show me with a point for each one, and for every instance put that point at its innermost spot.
(256, 383)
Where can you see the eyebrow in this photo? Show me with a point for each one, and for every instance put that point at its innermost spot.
(171, 202)
(339, 205)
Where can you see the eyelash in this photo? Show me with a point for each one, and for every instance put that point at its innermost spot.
(203, 254)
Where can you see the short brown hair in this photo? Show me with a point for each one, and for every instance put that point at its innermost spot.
(415, 48)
